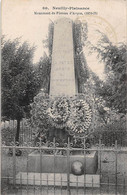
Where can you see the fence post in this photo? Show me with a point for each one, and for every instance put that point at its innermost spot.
(100, 162)
(27, 161)
(116, 148)
(100, 154)
(68, 167)
(54, 152)
(84, 143)
(40, 167)
(124, 183)
(14, 165)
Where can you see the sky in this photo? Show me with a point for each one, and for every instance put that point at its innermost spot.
(19, 20)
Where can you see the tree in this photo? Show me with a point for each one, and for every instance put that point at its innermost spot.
(106, 120)
(81, 69)
(114, 58)
(18, 86)
(42, 73)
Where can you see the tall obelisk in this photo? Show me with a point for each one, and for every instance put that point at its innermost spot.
(62, 78)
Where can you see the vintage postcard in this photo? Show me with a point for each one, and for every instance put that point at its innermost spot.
(63, 97)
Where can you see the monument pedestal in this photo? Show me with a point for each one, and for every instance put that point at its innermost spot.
(49, 179)
(60, 163)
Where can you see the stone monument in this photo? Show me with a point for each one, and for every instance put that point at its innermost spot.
(63, 83)
(63, 80)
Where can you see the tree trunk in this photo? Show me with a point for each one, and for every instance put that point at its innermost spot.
(18, 131)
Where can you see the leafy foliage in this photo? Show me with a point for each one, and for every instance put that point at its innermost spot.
(80, 37)
(114, 58)
(104, 116)
(112, 131)
(48, 42)
(18, 81)
(42, 73)
(17, 84)
(39, 119)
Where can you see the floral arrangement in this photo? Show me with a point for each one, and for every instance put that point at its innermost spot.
(74, 114)
(59, 112)
(80, 118)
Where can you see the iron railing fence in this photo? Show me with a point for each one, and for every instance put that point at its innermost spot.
(108, 137)
(20, 176)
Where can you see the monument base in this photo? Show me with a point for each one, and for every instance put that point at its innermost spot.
(61, 163)
(57, 179)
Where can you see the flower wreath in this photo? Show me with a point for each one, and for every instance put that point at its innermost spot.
(80, 118)
(59, 112)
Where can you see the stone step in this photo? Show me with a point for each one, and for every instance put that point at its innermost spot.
(57, 179)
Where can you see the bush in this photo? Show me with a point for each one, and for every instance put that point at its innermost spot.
(109, 136)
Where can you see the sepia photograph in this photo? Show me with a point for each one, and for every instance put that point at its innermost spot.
(63, 97)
